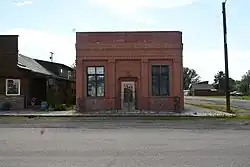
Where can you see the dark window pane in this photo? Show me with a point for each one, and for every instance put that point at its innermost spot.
(99, 70)
(164, 90)
(91, 70)
(164, 70)
(96, 81)
(12, 87)
(100, 85)
(160, 80)
(91, 86)
(155, 85)
(155, 70)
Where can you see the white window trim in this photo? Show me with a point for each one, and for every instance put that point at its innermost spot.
(6, 87)
(69, 74)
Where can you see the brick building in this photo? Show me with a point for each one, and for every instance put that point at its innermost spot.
(129, 70)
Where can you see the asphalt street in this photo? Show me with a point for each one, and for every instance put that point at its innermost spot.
(235, 102)
(123, 143)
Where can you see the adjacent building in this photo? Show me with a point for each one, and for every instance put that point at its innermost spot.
(25, 81)
(129, 71)
(203, 89)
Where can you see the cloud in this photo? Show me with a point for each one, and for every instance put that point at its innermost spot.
(131, 6)
(39, 44)
(134, 9)
(22, 3)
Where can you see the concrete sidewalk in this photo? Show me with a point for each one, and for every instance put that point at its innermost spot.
(37, 113)
(188, 111)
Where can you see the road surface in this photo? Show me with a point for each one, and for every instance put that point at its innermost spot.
(204, 143)
(234, 102)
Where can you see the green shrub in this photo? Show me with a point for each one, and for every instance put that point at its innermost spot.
(4, 106)
(60, 107)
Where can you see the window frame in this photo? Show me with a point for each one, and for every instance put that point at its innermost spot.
(69, 74)
(95, 76)
(6, 87)
(159, 76)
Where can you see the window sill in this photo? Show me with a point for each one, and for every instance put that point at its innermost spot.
(96, 97)
(168, 96)
(12, 94)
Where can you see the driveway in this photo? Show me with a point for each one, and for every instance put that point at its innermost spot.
(234, 102)
(127, 144)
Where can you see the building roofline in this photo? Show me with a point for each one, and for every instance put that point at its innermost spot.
(23, 66)
(132, 31)
(53, 63)
(9, 35)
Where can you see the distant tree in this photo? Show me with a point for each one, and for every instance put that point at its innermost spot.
(73, 66)
(237, 85)
(220, 82)
(190, 76)
(74, 70)
(244, 83)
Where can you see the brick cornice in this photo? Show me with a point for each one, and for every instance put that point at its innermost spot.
(111, 60)
(126, 49)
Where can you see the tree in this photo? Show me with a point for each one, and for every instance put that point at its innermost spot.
(73, 66)
(74, 70)
(244, 83)
(220, 81)
(237, 85)
(190, 76)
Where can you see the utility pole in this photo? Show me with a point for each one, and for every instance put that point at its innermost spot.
(226, 57)
(51, 56)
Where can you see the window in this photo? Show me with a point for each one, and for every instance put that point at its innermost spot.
(61, 70)
(12, 87)
(95, 81)
(69, 74)
(160, 80)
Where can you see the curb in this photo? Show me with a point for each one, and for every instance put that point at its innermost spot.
(112, 117)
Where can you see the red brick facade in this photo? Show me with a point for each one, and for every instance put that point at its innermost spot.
(129, 56)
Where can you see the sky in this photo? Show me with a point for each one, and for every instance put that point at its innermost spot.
(46, 26)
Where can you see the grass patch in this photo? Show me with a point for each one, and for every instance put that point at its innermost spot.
(183, 117)
(241, 98)
(232, 97)
(220, 107)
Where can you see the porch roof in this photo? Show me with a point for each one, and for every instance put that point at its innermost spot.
(32, 65)
(28, 63)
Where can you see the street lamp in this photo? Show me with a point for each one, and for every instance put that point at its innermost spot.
(226, 57)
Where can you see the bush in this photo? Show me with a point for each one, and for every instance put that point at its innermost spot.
(60, 107)
(4, 106)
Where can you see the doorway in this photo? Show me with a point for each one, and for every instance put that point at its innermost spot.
(128, 98)
(38, 90)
